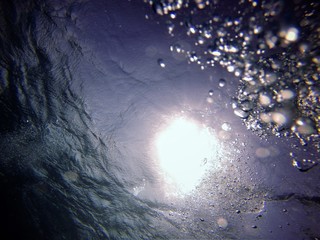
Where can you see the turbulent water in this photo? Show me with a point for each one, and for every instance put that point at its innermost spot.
(86, 86)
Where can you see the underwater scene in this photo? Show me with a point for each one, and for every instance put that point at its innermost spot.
(160, 119)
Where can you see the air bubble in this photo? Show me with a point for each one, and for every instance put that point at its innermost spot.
(207, 33)
(289, 34)
(269, 78)
(161, 63)
(201, 40)
(247, 78)
(222, 82)
(170, 27)
(265, 117)
(173, 15)
(271, 40)
(279, 74)
(231, 49)
(246, 105)
(193, 57)
(304, 127)
(226, 126)
(213, 51)
(240, 113)
(265, 99)
(191, 29)
(285, 95)
(201, 4)
(230, 68)
(178, 48)
(303, 47)
(279, 118)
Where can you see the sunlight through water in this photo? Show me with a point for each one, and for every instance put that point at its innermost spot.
(186, 150)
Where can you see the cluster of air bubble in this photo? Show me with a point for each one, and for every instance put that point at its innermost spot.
(273, 47)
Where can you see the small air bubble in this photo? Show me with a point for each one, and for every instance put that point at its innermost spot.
(222, 82)
(246, 105)
(226, 127)
(178, 48)
(230, 68)
(270, 78)
(200, 4)
(240, 113)
(161, 63)
(170, 27)
(201, 40)
(173, 15)
(289, 34)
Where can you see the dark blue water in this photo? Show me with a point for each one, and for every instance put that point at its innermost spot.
(85, 88)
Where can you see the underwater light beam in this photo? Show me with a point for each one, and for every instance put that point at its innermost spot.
(185, 151)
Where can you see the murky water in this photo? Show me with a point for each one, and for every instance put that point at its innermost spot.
(159, 119)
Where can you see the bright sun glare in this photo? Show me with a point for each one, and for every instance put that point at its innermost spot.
(185, 150)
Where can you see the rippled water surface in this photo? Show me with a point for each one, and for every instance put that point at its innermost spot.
(159, 119)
